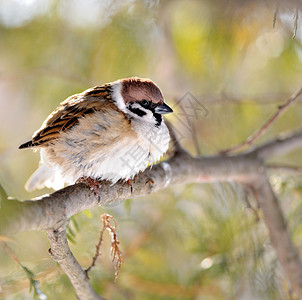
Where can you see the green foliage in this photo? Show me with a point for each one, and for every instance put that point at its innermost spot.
(33, 284)
(72, 229)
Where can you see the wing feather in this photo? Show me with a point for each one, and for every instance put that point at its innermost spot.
(68, 114)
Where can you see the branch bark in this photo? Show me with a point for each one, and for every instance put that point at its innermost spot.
(51, 212)
(279, 236)
(60, 252)
(283, 144)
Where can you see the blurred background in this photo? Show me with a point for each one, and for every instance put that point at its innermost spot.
(224, 67)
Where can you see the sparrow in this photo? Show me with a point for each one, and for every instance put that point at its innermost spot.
(108, 132)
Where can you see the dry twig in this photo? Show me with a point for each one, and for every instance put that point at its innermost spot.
(115, 250)
(259, 132)
(296, 18)
(276, 14)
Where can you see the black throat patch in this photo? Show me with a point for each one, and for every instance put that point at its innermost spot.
(158, 119)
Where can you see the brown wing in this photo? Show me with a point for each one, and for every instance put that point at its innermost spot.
(68, 113)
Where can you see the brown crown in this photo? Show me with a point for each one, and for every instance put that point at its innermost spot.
(136, 89)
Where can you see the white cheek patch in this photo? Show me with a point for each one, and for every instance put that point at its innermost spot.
(117, 96)
(149, 115)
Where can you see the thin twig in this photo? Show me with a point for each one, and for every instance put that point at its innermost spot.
(10, 252)
(115, 249)
(97, 251)
(116, 253)
(296, 17)
(259, 132)
(276, 14)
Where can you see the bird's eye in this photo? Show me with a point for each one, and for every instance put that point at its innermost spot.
(145, 103)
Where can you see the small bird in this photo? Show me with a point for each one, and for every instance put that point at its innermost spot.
(107, 132)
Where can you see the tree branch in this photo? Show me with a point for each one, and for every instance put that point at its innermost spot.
(60, 252)
(283, 144)
(279, 236)
(294, 170)
(51, 212)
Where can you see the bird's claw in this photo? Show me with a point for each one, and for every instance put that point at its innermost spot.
(128, 181)
(92, 183)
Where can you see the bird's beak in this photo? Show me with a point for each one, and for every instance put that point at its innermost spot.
(163, 109)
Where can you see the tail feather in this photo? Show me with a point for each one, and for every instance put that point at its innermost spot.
(26, 145)
(44, 176)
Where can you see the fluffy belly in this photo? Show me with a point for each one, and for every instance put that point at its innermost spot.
(96, 150)
(121, 161)
(118, 164)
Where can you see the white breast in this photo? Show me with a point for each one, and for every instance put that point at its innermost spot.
(130, 156)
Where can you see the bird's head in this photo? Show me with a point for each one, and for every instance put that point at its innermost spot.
(140, 99)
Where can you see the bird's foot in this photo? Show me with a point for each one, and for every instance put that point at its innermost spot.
(92, 183)
(129, 184)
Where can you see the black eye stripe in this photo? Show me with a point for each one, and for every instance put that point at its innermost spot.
(137, 111)
(147, 104)
(141, 113)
